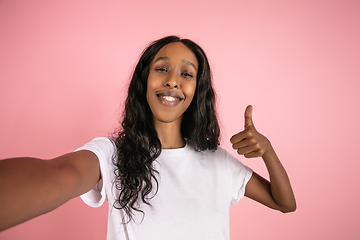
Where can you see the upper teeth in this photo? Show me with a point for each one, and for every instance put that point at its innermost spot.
(169, 98)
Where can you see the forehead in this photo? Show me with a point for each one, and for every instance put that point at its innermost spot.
(176, 51)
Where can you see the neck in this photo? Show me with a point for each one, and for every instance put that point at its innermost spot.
(169, 135)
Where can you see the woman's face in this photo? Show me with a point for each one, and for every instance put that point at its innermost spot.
(172, 82)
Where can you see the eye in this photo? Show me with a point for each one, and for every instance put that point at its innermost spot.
(187, 75)
(161, 69)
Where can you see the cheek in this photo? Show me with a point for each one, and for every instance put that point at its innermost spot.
(148, 92)
(189, 89)
(153, 82)
(150, 86)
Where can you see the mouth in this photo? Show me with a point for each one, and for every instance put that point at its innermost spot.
(170, 96)
(169, 99)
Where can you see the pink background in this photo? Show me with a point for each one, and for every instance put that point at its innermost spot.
(64, 70)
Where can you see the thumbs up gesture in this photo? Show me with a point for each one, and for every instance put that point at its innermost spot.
(250, 142)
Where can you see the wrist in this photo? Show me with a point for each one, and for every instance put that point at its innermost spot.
(269, 155)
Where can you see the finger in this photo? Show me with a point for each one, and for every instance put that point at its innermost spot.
(241, 136)
(254, 154)
(248, 117)
(248, 149)
(244, 143)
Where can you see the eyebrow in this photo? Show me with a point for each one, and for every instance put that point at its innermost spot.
(168, 59)
(189, 63)
(162, 58)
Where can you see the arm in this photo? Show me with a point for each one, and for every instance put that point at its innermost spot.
(276, 194)
(30, 187)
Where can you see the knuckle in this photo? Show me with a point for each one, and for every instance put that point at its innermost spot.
(253, 141)
(261, 152)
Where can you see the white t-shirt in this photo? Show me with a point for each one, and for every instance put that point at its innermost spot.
(193, 198)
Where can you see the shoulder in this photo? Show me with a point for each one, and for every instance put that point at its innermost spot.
(105, 143)
(102, 147)
(222, 157)
(220, 154)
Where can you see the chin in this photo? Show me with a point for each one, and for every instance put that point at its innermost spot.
(167, 118)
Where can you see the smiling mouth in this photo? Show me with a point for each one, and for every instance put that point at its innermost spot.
(169, 99)
(170, 96)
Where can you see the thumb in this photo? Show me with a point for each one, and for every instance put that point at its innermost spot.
(248, 117)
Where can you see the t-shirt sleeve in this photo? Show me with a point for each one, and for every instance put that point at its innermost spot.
(240, 176)
(103, 148)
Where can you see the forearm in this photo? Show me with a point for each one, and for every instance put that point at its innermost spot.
(277, 193)
(30, 187)
(280, 186)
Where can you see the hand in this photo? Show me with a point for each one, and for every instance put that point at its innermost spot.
(250, 142)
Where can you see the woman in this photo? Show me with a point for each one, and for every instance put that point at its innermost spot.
(163, 175)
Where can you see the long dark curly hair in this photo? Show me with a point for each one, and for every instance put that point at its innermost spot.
(137, 142)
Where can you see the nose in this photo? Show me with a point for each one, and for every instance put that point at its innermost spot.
(171, 85)
(172, 82)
